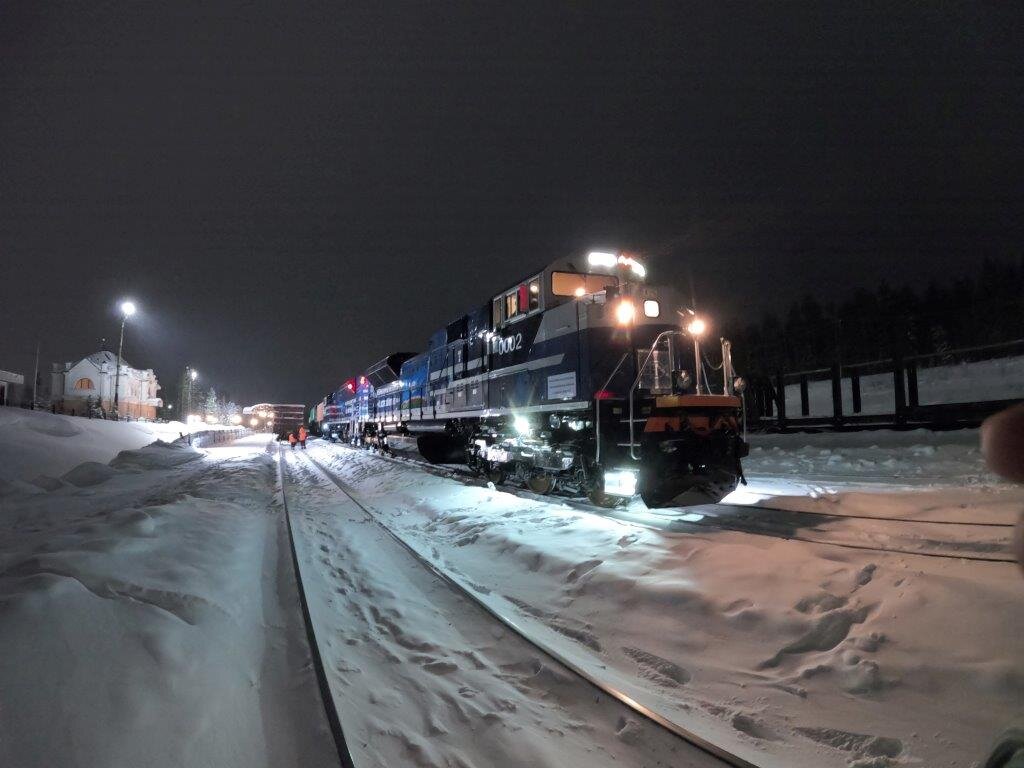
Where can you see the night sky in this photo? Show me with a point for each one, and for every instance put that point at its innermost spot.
(290, 191)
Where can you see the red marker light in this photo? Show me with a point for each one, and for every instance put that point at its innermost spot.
(604, 394)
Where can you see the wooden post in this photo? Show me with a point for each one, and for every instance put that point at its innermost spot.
(912, 396)
(855, 386)
(899, 390)
(837, 395)
(780, 398)
(805, 405)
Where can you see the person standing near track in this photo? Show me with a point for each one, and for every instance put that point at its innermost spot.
(303, 434)
(292, 439)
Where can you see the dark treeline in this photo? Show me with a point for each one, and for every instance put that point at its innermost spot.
(986, 307)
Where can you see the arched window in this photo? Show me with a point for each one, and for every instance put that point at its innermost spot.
(84, 384)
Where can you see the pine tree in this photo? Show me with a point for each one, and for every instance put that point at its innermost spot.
(210, 407)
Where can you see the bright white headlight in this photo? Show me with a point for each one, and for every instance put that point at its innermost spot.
(620, 482)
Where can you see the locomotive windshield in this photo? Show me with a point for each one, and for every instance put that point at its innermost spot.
(577, 284)
(656, 375)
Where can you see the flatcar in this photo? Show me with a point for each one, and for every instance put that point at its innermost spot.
(575, 378)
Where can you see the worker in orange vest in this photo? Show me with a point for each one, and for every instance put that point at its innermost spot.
(303, 434)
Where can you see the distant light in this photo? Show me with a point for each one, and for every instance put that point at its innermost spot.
(581, 291)
(127, 308)
(522, 425)
(697, 326)
(652, 308)
(211, 419)
(254, 422)
(625, 312)
(601, 259)
(236, 419)
(194, 374)
(620, 482)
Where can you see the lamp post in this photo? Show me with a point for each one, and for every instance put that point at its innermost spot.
(127, 310)
(192, 374)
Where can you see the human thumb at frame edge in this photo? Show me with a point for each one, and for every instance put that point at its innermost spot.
(1002, 445)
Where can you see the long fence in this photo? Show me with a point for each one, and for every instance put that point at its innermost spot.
(210, 437)
(954, 388)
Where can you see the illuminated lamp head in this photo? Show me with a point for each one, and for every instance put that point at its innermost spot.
(625, 312)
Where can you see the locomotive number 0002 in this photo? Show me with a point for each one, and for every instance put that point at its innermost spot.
(502, 345)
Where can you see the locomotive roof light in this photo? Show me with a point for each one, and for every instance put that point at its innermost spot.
(601, 259)
(625, 312)
(696, 326)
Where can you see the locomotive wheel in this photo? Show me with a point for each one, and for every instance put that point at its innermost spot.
(542, 484)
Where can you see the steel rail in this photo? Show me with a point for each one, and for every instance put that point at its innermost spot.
(674, 728)
(327, 698)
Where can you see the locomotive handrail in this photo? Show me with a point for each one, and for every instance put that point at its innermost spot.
(597, 428)
(632, 389)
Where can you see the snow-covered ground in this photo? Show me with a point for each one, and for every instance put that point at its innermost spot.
(38, 448)
(149, 616)
(1000, 379)
(147, 611)
(793, 653)
(424, 678)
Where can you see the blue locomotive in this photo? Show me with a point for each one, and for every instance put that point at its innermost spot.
(580, 378)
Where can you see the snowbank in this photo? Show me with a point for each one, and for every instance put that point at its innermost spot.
(797, 654)
(37, 447)
(147, 611)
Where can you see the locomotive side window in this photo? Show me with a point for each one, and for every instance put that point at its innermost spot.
(511, 305)
(496, 317)
(575, 284)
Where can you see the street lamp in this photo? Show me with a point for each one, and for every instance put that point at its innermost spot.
(192, 374)
(127, 310)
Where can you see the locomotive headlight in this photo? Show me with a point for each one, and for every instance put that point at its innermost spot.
(522, 425)
(254, 422)
(620, 482)
(625, 312)
(236, 419)
(696, 326)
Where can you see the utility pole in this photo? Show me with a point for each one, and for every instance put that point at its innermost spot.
(35, 378)
(127, 310)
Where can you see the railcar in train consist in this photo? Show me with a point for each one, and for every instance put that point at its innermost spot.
(581, 378)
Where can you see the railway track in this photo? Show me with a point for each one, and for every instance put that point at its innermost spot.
(906, 536)
(721, 755)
